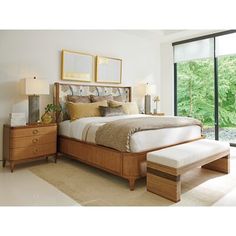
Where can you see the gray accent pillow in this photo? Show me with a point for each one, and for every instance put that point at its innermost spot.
(119, 98)
(100, 98)
(111, 111)
(76, 98)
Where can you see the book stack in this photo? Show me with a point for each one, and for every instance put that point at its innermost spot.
(17, 119)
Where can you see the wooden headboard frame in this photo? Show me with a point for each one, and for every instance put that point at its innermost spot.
(61, 90)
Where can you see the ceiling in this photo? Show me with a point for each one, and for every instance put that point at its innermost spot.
(168, 32)
(168, 35)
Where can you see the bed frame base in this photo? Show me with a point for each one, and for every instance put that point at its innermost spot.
(125, 165)
(130, 166)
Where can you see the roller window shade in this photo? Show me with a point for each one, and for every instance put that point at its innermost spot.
(194, 50)
(226, 45)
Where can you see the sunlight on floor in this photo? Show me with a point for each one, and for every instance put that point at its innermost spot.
(230, 198)
(23, 188)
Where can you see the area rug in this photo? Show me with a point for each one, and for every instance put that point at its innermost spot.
(92, 187)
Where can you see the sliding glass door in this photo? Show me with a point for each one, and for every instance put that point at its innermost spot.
(227, 95)
(195, 83)
(205, 84)
(195, 89)
(226, 63)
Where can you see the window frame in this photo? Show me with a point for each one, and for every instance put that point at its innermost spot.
(215, 65)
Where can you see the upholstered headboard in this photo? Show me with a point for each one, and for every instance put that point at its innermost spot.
(62, 90)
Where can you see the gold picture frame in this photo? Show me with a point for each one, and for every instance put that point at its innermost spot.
(77, 66)
(108, 70)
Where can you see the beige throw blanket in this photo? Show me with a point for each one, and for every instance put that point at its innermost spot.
(116, 134)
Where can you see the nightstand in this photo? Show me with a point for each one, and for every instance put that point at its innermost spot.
(25, 143)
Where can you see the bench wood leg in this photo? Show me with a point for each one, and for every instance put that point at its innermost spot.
(220, 165)
(169, 188)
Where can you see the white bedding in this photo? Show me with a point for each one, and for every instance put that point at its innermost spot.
(140, 141)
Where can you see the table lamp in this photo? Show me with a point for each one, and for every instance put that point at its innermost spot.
(149, 89)
(33, 88)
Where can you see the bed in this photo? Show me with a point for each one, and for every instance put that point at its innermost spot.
(131, 164)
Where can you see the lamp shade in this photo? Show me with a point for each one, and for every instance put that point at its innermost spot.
(149, 89)
(34, 87)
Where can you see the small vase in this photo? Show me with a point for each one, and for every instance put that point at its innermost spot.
(47, 118)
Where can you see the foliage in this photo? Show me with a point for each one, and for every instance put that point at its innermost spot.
(195, 90)
(52, 108)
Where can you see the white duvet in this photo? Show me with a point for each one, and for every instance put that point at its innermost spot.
(140, 141)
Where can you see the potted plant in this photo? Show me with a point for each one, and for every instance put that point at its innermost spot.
(49, 113)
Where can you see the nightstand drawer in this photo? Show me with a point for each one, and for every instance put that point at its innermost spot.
(32, 140)
(25, 132)
(33, 151)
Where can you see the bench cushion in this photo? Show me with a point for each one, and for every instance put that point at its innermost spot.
(188, 153)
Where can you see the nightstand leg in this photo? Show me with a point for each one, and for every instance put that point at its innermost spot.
(46, 159)
(56, 155)
(12, 165)
(3, 163)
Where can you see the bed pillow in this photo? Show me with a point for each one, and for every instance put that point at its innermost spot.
(100, 98)
(130, 108)
(80, 110)
(114, 103)
(111, 111)
(118, 98)
(76, 98)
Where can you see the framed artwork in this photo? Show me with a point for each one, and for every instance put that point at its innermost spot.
(77, 66)
(108, 70)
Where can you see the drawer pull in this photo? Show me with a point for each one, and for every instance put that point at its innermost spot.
(35, 131)
(36, 150)
(35, 140)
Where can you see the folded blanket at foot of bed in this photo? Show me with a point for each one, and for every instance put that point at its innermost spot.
(116, 134)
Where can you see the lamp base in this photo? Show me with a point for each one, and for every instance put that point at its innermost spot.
(147, 106)
(33, 109)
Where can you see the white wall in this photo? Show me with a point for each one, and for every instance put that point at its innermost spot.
(24, 54)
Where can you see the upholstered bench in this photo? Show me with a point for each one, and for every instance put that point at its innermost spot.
(165, 166)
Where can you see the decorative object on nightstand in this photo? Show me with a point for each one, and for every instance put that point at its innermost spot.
(149, 89)
(33, 88)
(156, 100)
(17, 119)
(49, 115)
(29, 142)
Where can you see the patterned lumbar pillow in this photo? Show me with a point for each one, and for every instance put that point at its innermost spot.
(111, 111)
